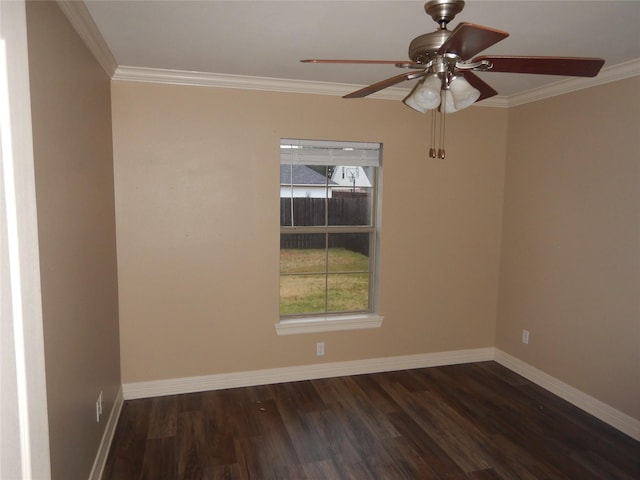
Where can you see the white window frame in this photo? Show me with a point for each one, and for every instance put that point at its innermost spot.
(324, 152)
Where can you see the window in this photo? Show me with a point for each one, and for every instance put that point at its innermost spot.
(328, 229)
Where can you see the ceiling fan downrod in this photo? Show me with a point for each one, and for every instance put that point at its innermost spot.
(425, 47)
(445, 61)
(443, 11)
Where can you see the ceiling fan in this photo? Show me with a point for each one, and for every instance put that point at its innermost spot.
(443, 62)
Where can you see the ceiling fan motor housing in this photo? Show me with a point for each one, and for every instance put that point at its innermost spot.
(425, 47)
(449, 54)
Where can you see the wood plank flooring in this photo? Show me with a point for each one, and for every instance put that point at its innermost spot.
(475, 421)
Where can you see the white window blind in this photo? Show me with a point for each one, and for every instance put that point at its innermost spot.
(326, 152)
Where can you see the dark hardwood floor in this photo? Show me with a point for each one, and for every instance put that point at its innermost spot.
(475, 421)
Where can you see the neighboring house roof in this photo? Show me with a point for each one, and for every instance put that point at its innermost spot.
(302, 175)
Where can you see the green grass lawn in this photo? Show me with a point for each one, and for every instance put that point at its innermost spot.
(345, 288)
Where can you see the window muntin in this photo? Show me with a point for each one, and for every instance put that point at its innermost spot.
(328, 227)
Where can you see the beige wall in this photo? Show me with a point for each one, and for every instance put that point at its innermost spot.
(70, 101)
(197, 212)
(570, 270)
(196, 172)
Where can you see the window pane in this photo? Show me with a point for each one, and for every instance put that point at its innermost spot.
(301, 294)
(348, 252)
(303, 253)
(303, 193)
(348, 292)
(351, 195)
(327, 187)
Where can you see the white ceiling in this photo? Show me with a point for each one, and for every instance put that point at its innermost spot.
(268, 38)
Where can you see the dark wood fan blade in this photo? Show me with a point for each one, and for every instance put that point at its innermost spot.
(373, 62)
(468, 39)
(486, 90)
(363, 92)
(568, 66)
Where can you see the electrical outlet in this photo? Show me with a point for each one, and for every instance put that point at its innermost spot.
(99, 407)
(525, 337)
(320, 349)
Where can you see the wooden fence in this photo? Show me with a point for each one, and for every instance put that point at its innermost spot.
(348, 210)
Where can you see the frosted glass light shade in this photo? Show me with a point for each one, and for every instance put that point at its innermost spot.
(410, 101)
(464, 95)
(448, 105)
(426, 96)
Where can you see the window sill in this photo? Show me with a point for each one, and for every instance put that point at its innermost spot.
(294, 326)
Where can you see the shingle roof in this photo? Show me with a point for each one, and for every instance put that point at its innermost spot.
(302, 175)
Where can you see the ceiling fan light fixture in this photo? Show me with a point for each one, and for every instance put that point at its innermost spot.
(426, 95)
(447, 105)
(463, 94)
(410, 101)
(442, 58)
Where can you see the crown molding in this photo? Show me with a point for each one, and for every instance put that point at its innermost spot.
(181, 77)
(222, 80)
(81, 20)
(607, 75)
(499, 101)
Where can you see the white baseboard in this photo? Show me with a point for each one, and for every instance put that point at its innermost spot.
(107, 437)
(304, 372)
(617, 419)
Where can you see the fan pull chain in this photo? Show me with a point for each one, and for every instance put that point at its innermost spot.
(432, 149)
(441, 153)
